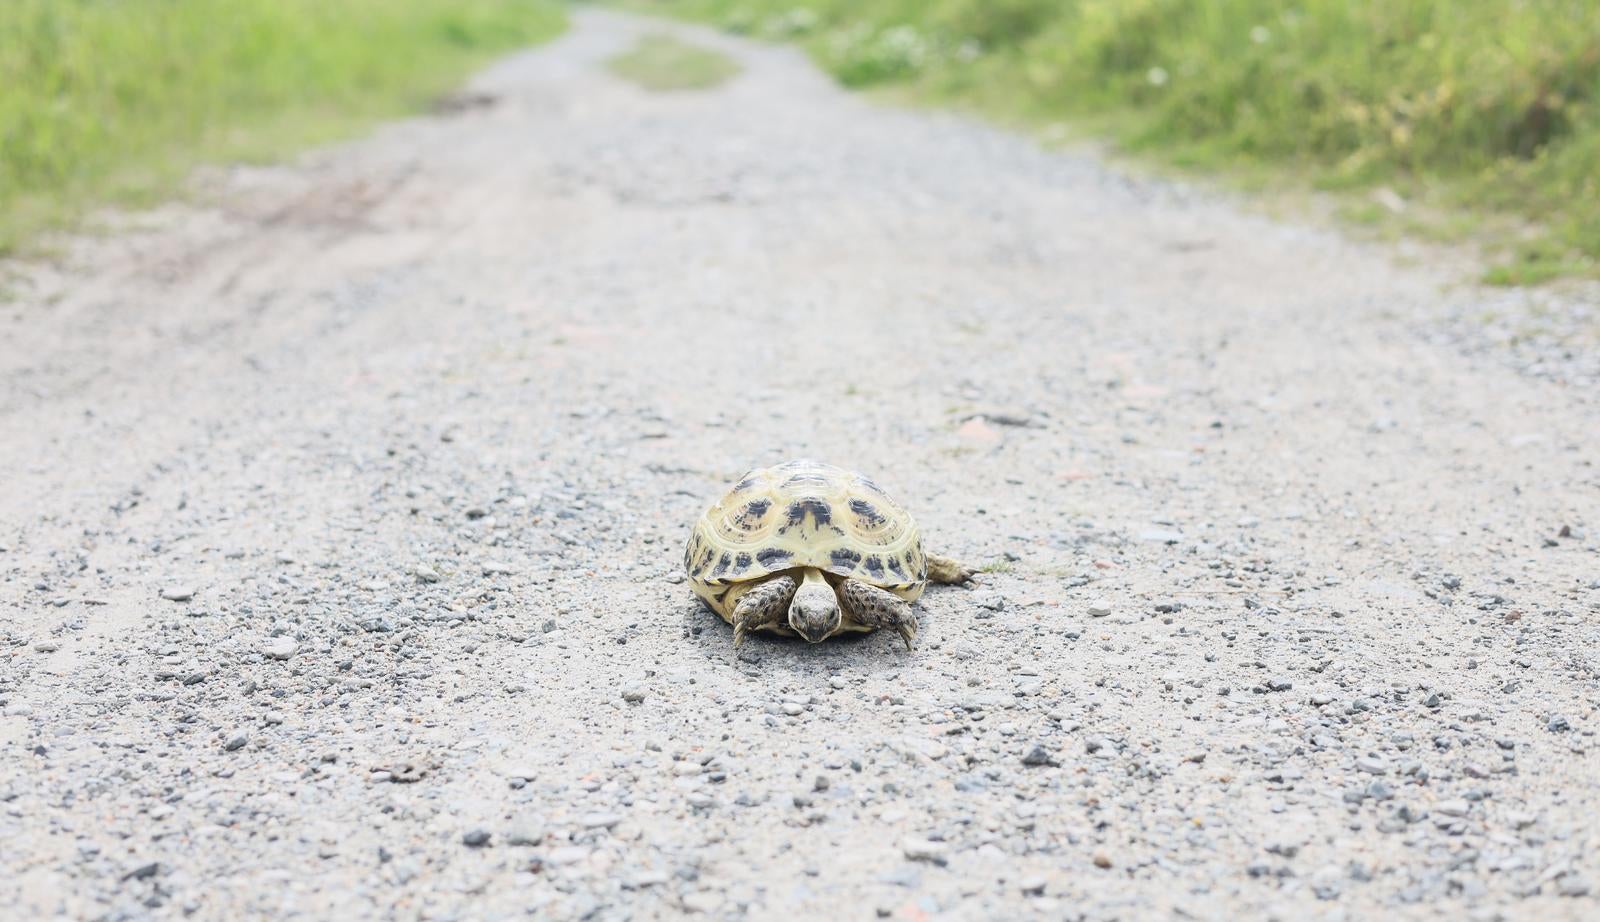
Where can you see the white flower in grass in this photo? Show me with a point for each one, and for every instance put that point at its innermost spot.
(1260, 35)
(1157, 76)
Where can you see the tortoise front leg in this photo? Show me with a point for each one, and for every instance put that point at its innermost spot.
(879, 608)
(764, 605)
(947, 570)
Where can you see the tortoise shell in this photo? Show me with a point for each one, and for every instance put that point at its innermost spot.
(804, 514)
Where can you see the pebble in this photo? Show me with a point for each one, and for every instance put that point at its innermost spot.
(703, 901)
(633, 695)
(1099, 608)
(143, 871)
(1161, 536)
(280, 648)
(600, 820)
(645, 879)
(1038, 757)
(525, 832)
(924, 850)
(1372, 765)
(1102, 860)
(46, 646)
(1452, 807)
(236, 742)
(475, 838)
(566, 855)
(177, 593)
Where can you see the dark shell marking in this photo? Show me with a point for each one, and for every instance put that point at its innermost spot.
(867, 513)
(818, 509)
(846, 558)
(772, 557)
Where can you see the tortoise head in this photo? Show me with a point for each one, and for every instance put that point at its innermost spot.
(814, 612)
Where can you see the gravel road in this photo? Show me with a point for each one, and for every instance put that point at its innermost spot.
(344, 505)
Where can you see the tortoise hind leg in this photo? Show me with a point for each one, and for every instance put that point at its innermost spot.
(764, 605)
(879, 608)
(947, 570)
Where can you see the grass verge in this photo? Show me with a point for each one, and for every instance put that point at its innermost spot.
(663, 63)
(1475, 121)
(116, 101)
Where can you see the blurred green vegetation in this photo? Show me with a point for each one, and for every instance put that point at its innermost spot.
(663, 63)
(1437, 114)
(115, 100)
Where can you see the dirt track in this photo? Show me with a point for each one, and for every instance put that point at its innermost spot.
(422, 421)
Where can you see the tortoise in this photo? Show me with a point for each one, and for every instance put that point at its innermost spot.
(809, 549)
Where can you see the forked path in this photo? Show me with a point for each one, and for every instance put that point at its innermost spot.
(1290, 612)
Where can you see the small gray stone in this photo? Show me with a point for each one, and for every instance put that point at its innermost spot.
(1372, 765)
(924, 850)
(475, 838)
(565, 855)
(525, 832)
(143, 871)
(280, 648)
(600, 820)
(706, 901)
(1161, 536)
(236, 742)
(1038, 757)
(1099, 608)
(177, 593)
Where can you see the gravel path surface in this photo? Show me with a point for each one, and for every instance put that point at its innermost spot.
(343, 511)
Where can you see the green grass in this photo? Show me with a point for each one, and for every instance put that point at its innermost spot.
(1446, 115)
(663, 63)
(116, 100)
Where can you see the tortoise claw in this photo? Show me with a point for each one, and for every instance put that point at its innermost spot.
(908, 633)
